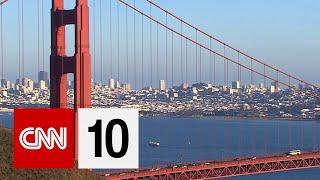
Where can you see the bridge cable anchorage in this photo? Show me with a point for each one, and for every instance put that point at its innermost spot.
(203, 46)
(228, 45)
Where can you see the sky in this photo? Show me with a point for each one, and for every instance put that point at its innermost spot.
(281, 33)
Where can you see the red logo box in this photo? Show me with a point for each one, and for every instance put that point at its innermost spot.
(43, 138)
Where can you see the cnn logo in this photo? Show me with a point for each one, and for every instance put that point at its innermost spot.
(41, 137)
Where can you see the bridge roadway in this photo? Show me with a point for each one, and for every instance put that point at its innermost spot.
(229, 168)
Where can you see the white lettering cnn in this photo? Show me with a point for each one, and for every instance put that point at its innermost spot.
(40, 137)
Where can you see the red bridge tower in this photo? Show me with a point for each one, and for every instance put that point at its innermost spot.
(79, 64)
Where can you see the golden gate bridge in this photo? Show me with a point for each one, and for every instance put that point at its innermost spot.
(158, 44)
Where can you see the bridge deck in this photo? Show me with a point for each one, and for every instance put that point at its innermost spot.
(236, 167)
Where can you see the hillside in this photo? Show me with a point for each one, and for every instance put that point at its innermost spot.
(7, 172)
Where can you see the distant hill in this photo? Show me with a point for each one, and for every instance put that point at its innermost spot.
(7, 172)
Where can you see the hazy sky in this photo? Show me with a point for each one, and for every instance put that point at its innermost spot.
(282, 33)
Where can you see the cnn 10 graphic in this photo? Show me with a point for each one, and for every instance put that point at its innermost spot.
(101, 138)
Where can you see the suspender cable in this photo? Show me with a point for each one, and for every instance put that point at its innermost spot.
(1, 41)
(22, 37)
(38, 37)
(151, 65)
(200, 59)
(278, 123)
(227, 72)
(264, 76)
(186, 61)
(19, 40)
(94, 41)
(224, 65)
(167, 48)
(43, 44)
(101, 46)
(181, 57)
(214, 69)
(172, 58)
(134, 47)
(238, 66)
(211, 62)
(251, 71)
(290, 107)
(142, 46)
(196, 56)
(118, 42)
(157, 68)
(127, 48)
(110, 25)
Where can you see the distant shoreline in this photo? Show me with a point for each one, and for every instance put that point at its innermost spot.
(206, 116)
(5, 110)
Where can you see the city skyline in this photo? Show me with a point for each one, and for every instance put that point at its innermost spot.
(300, 17)
(43, 82)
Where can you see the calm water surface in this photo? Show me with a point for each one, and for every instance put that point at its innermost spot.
(216, 138)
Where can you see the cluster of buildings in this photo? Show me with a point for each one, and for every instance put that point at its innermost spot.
(200, 99)
(204, 99)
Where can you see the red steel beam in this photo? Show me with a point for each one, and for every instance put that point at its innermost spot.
(227, 168)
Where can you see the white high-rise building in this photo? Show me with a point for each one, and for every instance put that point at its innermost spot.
(162, 85)
(112, 83)
(261, 86)
(236, 85)
(126, 86)
(30, 84)
(272, 89)
(42, 84)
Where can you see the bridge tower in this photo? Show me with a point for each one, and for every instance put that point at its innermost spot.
(79, 64)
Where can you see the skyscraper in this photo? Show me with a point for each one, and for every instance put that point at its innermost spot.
(236, 85)
(112, 83)
(162, 85)
(42, 85)
(43, 75)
